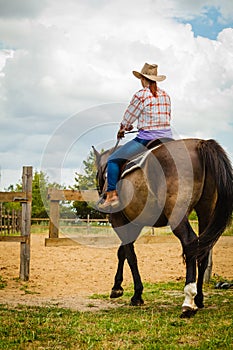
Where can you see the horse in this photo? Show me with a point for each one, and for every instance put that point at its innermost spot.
(161, 188)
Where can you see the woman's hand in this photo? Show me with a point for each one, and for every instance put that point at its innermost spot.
(129, 128)
(120, 134)
(123, 128)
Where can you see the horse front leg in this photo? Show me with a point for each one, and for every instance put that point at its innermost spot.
(128, 234)
(131, 257)
(117, 290)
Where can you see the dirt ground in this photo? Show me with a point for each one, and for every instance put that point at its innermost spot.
(66, 276)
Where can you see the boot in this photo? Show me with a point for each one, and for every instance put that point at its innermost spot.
(112, 200)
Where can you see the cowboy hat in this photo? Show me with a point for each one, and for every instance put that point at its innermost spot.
(149, 71)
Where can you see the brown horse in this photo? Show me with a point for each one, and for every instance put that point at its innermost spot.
(161, 188)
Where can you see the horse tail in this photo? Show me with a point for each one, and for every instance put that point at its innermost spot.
(218, 165)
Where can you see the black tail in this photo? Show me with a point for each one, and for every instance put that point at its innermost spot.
(216, 162)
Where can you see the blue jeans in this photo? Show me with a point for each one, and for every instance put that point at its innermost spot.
(117, 159)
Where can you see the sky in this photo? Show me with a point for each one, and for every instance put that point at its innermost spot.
(66, 75)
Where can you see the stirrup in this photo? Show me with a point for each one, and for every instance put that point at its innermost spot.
(115, 203)
(107, 204)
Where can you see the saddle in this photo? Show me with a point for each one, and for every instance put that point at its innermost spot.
(137, 162)
(157, 142)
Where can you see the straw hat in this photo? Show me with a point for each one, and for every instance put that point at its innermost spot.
(149, 71)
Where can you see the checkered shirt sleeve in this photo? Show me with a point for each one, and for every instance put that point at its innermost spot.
(150, 112)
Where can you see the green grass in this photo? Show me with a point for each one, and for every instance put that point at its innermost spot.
(156, 325)
(3, 283)
(228, 231)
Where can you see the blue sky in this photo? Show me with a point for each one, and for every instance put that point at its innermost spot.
(66, 75)
(209, 23)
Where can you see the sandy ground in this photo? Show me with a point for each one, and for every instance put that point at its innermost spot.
(67, 276)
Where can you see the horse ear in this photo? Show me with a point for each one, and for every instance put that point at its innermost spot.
(96, 153)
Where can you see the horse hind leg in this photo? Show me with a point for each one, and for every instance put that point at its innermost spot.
(203, 213)
(189, 307)
(186, 235)
(201, 272)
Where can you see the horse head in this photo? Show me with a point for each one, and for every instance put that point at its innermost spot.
(101, 165)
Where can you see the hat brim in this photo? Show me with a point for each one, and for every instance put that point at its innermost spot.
(150, 77)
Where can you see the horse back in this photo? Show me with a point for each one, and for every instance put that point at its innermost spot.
(168, 184)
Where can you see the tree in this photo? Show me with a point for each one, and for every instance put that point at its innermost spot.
(39, 198)
(40, 203)
(13, 205)
(87, 181)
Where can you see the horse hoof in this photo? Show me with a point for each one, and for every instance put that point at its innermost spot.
(116, 293)
(188, 312)
(137, 302)
(199, 302)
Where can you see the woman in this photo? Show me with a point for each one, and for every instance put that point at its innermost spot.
(151, 107)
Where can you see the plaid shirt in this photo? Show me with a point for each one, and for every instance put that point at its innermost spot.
(151, 112)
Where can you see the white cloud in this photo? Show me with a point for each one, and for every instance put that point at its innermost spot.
(70, 56)
(21, 8)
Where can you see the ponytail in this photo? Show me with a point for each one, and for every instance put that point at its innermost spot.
(152, 85)
(153, 88)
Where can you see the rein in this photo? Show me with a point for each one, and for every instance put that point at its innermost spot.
(116, 145)
(118, 140)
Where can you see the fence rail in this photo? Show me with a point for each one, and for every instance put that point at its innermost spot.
(71, 220)
(10, 221)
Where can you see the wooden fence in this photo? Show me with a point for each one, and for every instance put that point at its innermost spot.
(10, 221)
(18, 229)
(55, 196)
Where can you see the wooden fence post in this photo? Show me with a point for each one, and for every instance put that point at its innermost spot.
(54, 216)
(26, 224)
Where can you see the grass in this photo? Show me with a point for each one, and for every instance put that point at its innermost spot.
(156, 325)
(228, 231)
(3, 283)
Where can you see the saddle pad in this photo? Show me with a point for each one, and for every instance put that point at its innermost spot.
(140, 159)
(136, 162)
